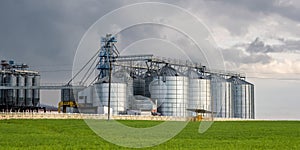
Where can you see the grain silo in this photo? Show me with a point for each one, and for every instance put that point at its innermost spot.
(21, 92)
(36, 92)
(243, 98)
(222, 100)
(217, 83)
(94, 99)
(171, 92)
(28, 92)
(175, 87)
(16, 93)
(118, 97)
(10, 98)
(199, 93)
(1, 90)
(227, 104)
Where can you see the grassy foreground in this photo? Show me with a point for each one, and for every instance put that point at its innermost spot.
(75, 134)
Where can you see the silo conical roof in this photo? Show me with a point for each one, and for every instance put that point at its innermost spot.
(237, 80)
(168, 71)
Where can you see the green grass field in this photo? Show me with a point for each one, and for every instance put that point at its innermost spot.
(75, 134)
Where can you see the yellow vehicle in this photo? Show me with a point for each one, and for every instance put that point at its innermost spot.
(65, 104)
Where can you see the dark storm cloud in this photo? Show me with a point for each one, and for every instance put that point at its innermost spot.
(280, 7)
(259, 46)
(289, 46)
(235, 16)
(258, 51)
(46, 32)
(238, 15)
(238, 56)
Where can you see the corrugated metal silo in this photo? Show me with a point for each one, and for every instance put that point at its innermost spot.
(10, 80)
(21, 92)
(222, 101)
(252, 106)
(123, 76)
(227, 107)
(1, 90)
(218, 94)
(36, 92)
(171, 92)
(118, 98)
(199, 93)
(243, 97)
(28, 92)
(222, 97)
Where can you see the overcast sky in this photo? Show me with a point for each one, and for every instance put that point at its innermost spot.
(258, 37)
